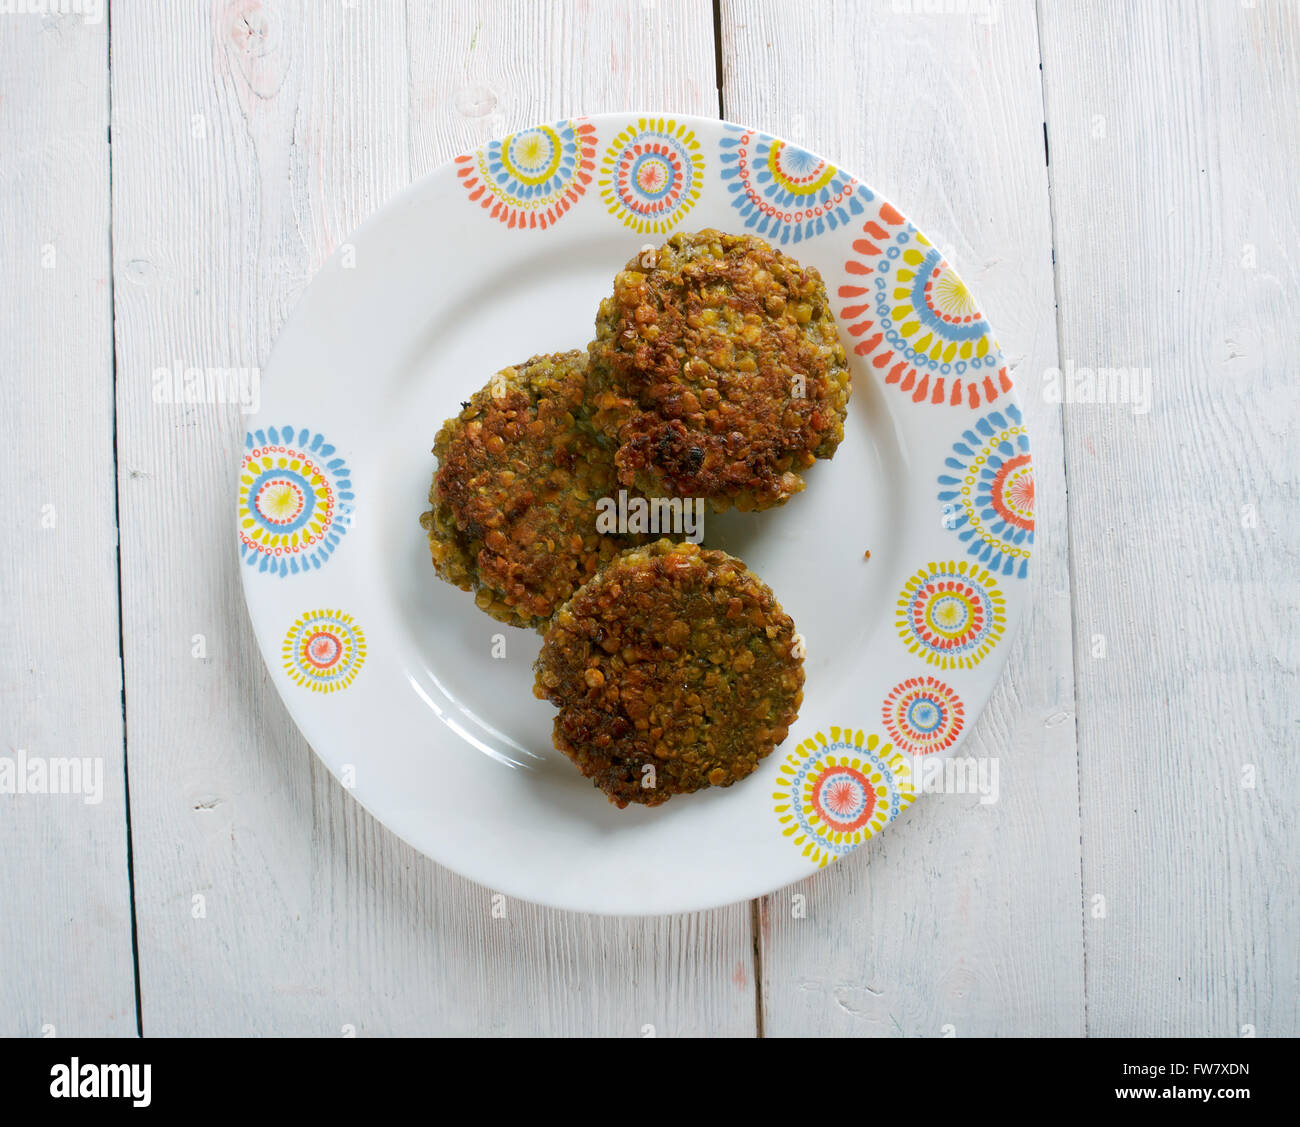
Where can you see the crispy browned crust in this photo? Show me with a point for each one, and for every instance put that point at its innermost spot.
(718, 372)
(513, 513)
(674, 656)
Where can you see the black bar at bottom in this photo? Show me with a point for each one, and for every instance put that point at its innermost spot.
(339, 1075)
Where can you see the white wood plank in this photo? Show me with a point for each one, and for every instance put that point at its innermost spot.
(65, 909)
(1173, 147)
(961, 915)
(316, 917)
(483, 67)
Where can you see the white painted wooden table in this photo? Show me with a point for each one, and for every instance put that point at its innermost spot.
(1139, 875)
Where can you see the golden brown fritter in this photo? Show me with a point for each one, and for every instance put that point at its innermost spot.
(514, 497)
(718, 372)
(672, 657)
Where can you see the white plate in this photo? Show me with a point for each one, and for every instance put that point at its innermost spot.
(391, 674)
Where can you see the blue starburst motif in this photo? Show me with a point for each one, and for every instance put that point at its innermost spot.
(295, 500)
(784, 193)
(987, 492)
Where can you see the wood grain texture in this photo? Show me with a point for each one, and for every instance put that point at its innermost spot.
(65, 904)
(315, 918)
(481, 69)
(1173, 147)
(961, 915)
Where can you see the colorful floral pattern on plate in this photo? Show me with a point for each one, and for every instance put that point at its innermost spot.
(531, 178)
(782, 192)
(923, 715)
(835, 791)
(915, 319)
(951, 614)
(988, 497)
(324, 651)
(651, 175)
(295, 500)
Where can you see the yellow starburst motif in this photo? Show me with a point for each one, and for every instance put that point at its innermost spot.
(951, 614)
(838, 788)
(651, 174)
(950, 293)
(280, 501)
(324, 650)
(533, 157)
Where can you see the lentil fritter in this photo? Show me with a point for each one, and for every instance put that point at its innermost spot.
(513, 513)
(717, 371)
(675, 657)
